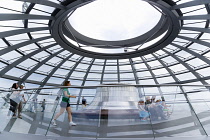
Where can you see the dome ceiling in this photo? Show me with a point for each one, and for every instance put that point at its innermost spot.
(165, 29)
(40, 47)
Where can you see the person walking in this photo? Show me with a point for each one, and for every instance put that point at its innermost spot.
(65, 104)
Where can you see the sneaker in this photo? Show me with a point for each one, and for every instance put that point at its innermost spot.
(20, 117)
(72, 124)
(54, 122)
(14, 117)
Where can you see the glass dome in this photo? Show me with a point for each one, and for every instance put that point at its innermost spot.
(30, 54)
(41, 46)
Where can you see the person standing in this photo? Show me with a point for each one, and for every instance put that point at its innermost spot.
(43, 105)
(65, 104)
(14, 100)
(35, 104)
(19, 107)
(84, 102)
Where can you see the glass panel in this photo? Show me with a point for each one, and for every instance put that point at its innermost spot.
(44, 8)
(171, 116)
(16, 72)
(78, 74)
(111, 112)
(92, 83)
(36, 77)
(196, 62)
(126, 75)
(110, 76)
(201, 106)
(204, 72)
(194, 10)
(87, 120)
(160, 71)
(16, 6)
(147, 82)
(37, 12)
(11, 56)
(94, 76)
(186, 76)
(194, 23)
(154, 63)
(165, 80)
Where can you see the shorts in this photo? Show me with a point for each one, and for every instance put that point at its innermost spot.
(64, 104)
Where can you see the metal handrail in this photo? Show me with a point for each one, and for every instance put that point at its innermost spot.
(110, 85)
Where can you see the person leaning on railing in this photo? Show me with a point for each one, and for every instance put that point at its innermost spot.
(19, 106)
(65, 104)
(14, 99)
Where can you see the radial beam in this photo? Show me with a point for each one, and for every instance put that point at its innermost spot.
(21, 31)
(190, 4)
(4, 17)
(134, 71)
(204, 30)
(195, 40)
(195, 17)
(84, 80)
(118, 71)
(102, 73)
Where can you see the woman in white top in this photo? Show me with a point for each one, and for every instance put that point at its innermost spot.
(19, 106)
(14, 98)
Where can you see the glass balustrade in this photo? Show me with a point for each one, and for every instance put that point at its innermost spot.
(112, 112)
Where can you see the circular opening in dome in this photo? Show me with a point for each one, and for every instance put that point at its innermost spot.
(114, 20)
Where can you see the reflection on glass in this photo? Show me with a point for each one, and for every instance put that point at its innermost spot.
(114, 112)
